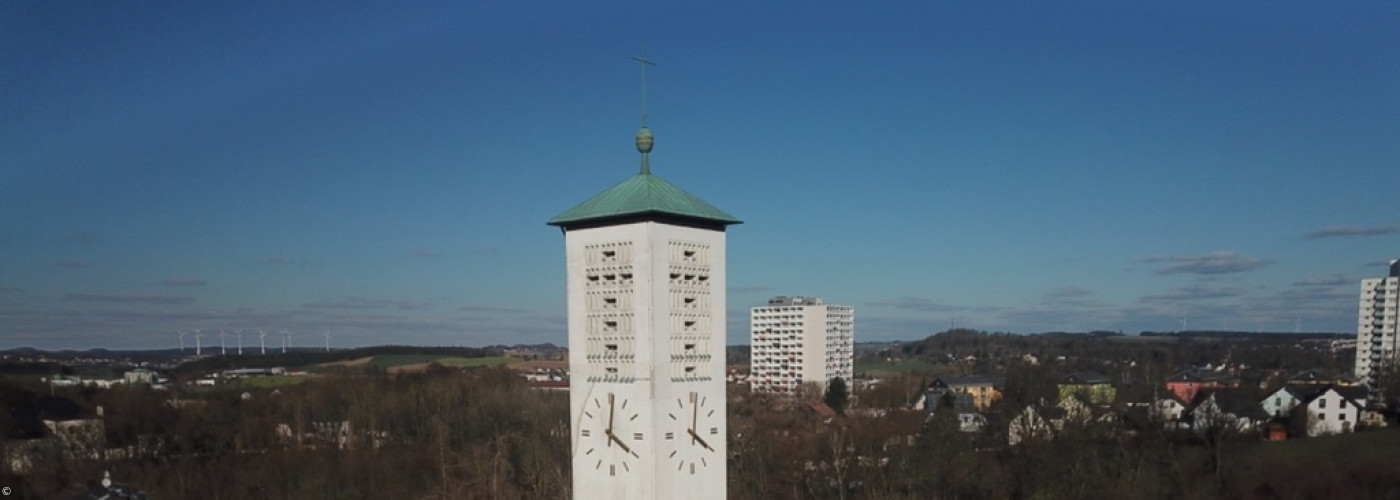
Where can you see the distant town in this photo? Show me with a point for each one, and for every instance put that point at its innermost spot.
(869, 420)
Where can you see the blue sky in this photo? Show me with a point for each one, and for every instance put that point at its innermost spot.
(384, 170)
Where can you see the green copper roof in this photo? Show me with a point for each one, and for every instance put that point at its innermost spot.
(642, 194)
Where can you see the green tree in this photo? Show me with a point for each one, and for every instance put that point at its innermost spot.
(837, 395)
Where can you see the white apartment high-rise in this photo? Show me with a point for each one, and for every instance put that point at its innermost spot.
(1376, 330)
(795, 340)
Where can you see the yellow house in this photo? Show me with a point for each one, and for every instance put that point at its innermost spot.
(1092, 386)
(973, 392)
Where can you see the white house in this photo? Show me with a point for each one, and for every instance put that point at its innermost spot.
(1220, 410)
(1330, 412)
(1028, 425)
(1281, 402)
(1167, 411)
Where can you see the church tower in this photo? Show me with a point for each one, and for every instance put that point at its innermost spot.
(646, 300)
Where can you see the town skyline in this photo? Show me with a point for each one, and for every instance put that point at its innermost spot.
(385, 173)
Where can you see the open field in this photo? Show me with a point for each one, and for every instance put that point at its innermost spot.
(490, 361)
(900, 367)
(271, 381)
(393, 360)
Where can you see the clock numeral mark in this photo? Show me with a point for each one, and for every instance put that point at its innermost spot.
(692, 468)
(634, 454)
(704, 462)
(670, 436)
(612, 470)
(625, 467)
(624, 404)
(636, 436)
(703, 400)
(672, 415)
(589, 452)
(634, 417)
(673, 454)
(680, 404)
(597, 404)
(584, 432)
(680, 466)
(710, 414)
(590, 415)
(599, 466)
(714, 431)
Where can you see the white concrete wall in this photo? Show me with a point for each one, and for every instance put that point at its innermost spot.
(657, 400)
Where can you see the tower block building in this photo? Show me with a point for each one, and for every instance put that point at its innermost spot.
(1378, 329)
(646, 301)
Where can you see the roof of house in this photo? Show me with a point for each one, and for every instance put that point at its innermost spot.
(821, 409)
(1348, 395)
(965, 381)
(1241, 402)
(1085, 378)
(1199, 375)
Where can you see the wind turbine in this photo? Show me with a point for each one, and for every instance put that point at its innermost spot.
(181, 334)
(286, 337)
(239, 332)
(328, 340)
(198, 347)
(262, 341)
(223, 347)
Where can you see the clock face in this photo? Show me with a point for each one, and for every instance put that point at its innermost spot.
(606, 437)
(693, 434)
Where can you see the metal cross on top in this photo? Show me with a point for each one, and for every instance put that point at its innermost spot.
(644, 62)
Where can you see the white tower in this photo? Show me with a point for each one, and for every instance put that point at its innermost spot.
(646, 301)
(1378, 330)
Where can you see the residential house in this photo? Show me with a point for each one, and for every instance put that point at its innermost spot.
(1280, 403)
(1187, 383)
(1028, 425)
(1319, 377)
(1224, 409)
(975, 392)
(1095, 387)
(141, 376)
(1328, 411)
(1167, 410)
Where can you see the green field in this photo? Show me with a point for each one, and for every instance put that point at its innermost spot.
(271, 381)
(899, 367)
(389, 360)
(491, 361)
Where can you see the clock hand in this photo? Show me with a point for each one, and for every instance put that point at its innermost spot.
(609, 431)
(613, 438)
(696, 437)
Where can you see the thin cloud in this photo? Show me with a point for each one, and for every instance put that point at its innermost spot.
(182, 282)
(1347, 231)
(9, 289)
(71, 264)
(363, 303)
(283, 261)
(1067, 292)
(751, 289)
(80, 237)
(426, 254)
(925, 305)
(1334, 280)
(1191, 293)
(486, 309)
(131, 298)
(1208, 264)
